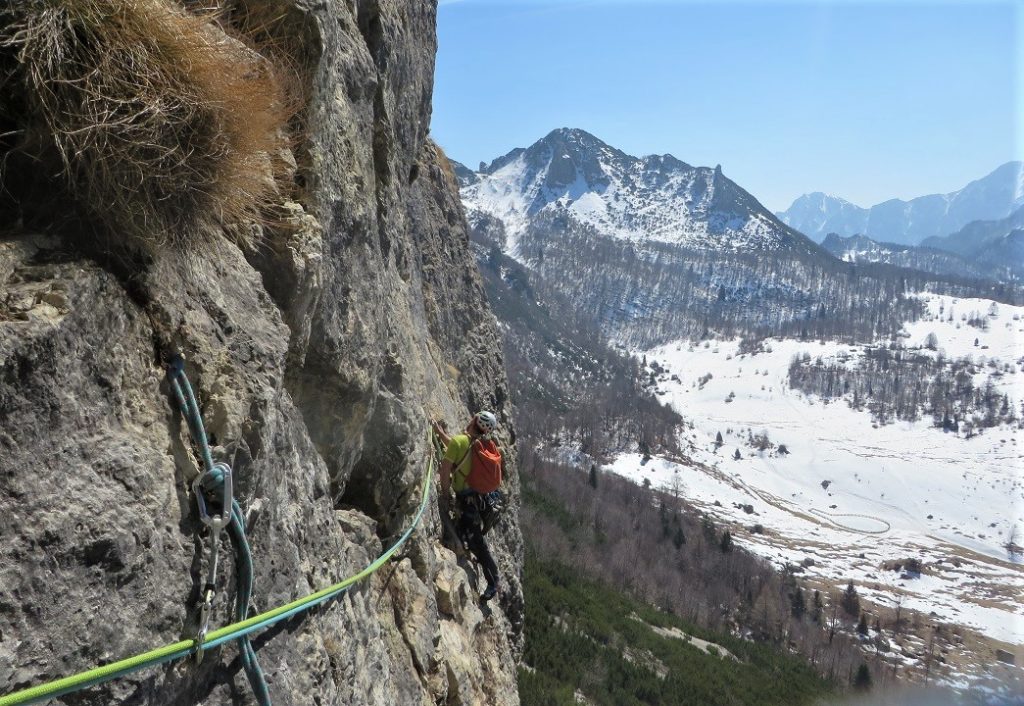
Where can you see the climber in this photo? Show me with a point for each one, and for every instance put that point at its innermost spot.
(476, 461)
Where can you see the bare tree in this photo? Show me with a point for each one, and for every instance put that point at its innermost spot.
(929, 657)
(897, 627)
(833, 620)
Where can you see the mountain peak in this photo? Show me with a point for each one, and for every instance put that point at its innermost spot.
(574, 175)
(820, 197)
(570, 133)
(578, 144)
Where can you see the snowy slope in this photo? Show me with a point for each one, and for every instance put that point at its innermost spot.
(851, 496)
(657, 197)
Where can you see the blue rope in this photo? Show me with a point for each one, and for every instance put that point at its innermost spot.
(190, 408)
(243, 594)
(186, 399)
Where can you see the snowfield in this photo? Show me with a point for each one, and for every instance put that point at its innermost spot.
(851, 497)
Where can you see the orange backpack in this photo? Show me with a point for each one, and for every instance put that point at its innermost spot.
(485, 466)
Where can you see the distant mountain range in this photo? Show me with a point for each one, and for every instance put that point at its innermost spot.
(862, 249)
(992, 197)
(573, 175)
(996, 242)
(987, 249)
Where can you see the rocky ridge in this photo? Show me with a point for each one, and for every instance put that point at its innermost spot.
(318, 354)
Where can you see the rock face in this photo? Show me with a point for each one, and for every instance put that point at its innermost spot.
(318, 356)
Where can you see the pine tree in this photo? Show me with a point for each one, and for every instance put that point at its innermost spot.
(726, 544)
(737, 456)
(679, 539)
(798, 603)
(593, 475)
(645, 450)
(819, 607)
(850, 601)
(862, 682)
(718, 440)
(862, 626)
(708, 528)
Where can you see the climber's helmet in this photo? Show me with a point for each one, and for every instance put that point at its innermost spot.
(485, 422)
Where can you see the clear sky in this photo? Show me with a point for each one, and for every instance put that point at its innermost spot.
(869, 100)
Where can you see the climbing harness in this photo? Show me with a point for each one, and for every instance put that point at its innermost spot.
(218, 509)
(235, 631)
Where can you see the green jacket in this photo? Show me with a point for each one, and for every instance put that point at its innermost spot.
(458, 453)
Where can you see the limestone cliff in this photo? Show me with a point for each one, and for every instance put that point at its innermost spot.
(319, 344)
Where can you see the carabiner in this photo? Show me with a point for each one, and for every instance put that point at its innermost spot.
(204, 623)
(216, 480)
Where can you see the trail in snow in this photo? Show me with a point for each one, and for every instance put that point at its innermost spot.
(883, 525)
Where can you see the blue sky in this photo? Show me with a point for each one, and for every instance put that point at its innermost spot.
(869, 100)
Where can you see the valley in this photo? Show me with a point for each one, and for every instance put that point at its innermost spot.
(918, 518)
(851, 419)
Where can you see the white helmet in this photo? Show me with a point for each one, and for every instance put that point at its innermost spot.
(486, 422)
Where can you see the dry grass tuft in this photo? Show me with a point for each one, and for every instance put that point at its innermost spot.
(446, 165)
(156, 121)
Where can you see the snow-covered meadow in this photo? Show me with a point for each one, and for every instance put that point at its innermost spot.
(851, 496)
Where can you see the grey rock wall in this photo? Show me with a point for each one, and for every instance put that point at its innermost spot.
(318, 356)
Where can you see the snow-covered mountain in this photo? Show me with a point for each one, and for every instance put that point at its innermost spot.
(862, 249)
(992, 197)
(655, 198)
(817, 215)
(998, 243)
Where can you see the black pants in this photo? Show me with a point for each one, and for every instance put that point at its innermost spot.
(471, 530)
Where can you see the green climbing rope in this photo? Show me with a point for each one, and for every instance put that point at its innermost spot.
(183, 648)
